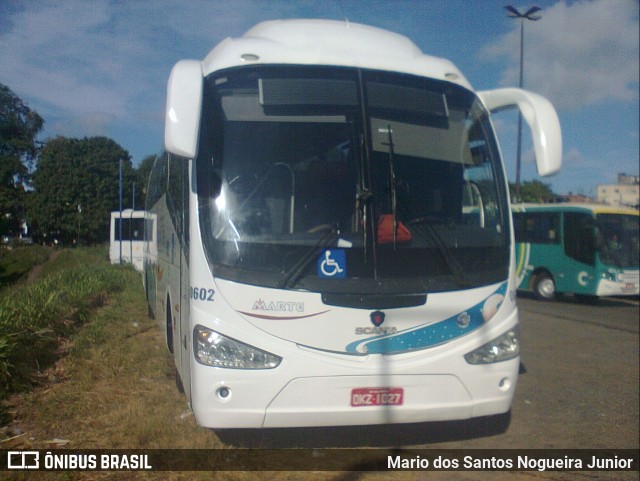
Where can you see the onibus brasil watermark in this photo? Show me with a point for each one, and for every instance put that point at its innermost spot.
(75, 461)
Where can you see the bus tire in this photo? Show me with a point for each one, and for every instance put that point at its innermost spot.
(544, 288)
(150, 313)
(169, 326)
(179, 385)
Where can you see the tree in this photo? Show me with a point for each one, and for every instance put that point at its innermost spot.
(19, 126)
(77, 186)
(534, 191)
(142, 174)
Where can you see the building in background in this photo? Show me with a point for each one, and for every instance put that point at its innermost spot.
(571, 198)
(626, 193)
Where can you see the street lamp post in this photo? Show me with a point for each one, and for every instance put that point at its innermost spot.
(528, 15)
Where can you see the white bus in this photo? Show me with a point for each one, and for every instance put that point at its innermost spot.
(131, 247)
(315, 263)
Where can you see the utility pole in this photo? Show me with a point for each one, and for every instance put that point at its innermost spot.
(528, 15)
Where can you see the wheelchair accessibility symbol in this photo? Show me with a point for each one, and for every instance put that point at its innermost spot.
(332, 263)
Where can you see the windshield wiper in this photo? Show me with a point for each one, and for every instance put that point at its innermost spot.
(364, 212)
(430, 233)
(427, 230)
(392, 186)
(290, 277)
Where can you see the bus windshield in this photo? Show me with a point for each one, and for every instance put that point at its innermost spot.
(618, 239)
(340, 180)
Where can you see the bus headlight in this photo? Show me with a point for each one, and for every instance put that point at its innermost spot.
(213, 349)
(502, 348)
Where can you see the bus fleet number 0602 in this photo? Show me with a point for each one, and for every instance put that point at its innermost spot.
(201, 294)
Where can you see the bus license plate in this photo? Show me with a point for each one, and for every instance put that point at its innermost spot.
(377, 396)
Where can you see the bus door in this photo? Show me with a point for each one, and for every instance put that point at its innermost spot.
(580, 246)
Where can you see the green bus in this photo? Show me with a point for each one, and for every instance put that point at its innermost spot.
(583, 249)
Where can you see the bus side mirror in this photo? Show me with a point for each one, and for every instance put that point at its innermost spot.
(184, 104)
(542, 119)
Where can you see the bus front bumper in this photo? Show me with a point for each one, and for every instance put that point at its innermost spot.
(629, 286)
(331, 400)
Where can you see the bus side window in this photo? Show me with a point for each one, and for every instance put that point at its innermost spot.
(518, 226)
(536, 227)
(579, 237)
(177, 197)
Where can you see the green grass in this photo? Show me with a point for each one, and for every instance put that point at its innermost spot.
(16, 263)
(36, 318)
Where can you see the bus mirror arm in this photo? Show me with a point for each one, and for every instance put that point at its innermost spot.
(184, 104)
(542, 119)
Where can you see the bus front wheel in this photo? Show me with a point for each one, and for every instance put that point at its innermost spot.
(544, 288)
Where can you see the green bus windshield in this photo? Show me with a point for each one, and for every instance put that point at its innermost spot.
(617, 240)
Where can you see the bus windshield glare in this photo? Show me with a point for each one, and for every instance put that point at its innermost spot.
(341, 180)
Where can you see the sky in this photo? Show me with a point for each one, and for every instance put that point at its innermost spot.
(100, 67)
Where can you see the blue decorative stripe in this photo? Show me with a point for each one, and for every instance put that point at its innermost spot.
(431, 335)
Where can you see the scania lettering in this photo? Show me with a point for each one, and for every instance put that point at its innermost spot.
(376, 330)
(337, 201)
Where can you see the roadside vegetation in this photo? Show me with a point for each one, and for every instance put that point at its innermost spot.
(38, 318)
(84, 368)
(16, 263)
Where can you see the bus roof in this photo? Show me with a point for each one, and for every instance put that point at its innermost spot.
(575, 206)
(329, 42)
